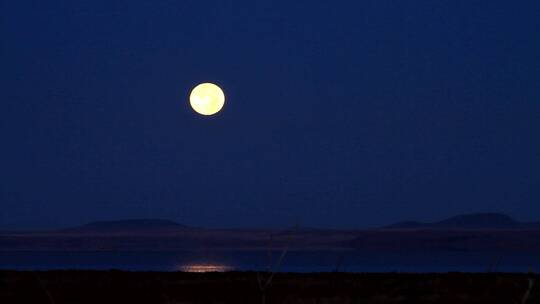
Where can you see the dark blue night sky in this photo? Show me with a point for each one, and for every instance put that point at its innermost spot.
(338, 114)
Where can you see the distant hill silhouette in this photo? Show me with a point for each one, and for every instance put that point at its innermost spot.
(133, 225)
(469, 221)
(481, 232)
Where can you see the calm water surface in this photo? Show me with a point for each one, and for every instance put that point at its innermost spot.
(294, 261)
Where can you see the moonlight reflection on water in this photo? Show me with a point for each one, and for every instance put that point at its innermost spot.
(205, 268)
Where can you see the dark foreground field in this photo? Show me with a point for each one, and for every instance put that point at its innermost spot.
(243, 287)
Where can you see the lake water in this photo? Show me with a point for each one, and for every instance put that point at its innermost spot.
(294, 261)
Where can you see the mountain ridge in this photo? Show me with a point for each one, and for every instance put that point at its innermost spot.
(485, 220)
(472, 221)
(128, 225)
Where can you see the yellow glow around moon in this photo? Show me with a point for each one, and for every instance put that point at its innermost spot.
(207, 99)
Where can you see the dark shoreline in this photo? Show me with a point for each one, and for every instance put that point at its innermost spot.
(70, 286)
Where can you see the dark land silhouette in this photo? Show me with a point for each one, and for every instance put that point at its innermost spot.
(242, 287)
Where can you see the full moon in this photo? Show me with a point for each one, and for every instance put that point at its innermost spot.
(207, 99)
